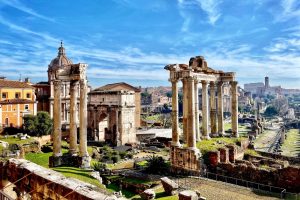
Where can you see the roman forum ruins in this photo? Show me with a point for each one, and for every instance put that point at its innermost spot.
(64, 73)
(186, 159)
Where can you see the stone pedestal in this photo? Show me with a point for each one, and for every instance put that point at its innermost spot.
(224, 155)
(55, 161)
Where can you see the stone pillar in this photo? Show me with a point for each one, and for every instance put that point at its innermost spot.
(197, 111)
(213, 120)
(234, 109)
(83, 125)
(175, 123)
(185, 109)
(191, 142)
(57, 119)
(220, 109)
(204, 111)
(118, 136)
(73, 117)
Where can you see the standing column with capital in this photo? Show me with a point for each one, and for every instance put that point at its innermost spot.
(220, 109)
(175, 123)
(204, 111)
(185, 109)
(57, 119)
(197, 111)
(234, 109)
(73, 117)
(83, 125)
(191, 143)
(213, 112)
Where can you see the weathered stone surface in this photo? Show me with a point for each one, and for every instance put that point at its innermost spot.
(188, 195)
(170, 186)
(148, 194)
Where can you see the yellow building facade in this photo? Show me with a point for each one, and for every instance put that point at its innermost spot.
(17, 99)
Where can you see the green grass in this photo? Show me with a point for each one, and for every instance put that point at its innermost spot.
(251, 152)
(42, 159)
(12, 140)
(212, 145)
(290, 146)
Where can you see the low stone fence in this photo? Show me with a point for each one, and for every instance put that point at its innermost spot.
(292, 160)
(42, 183)
(288, 177)
(43, 139)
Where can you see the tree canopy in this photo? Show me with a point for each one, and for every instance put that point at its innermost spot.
(38, 125)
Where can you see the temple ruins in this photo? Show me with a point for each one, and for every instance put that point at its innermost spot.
(186, 159)
(65, 73)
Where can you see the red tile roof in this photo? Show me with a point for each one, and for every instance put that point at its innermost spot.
(14, 84)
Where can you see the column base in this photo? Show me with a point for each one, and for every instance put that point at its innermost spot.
(85, 162)
(236, 135)
(205, 137)
(221, 134)
(55, 161)
(73, 153)
(175, 144)
(214, 135)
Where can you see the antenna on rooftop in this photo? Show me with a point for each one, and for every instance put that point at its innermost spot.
(20, 79)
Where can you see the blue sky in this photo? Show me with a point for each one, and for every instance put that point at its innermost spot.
(132, 40)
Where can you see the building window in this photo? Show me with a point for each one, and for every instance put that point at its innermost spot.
(28, 95)
(4, 95)
(17, 95)
(26, 107)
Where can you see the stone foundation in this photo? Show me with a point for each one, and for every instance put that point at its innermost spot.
(68, 160)
(224, 155)
(185, 161)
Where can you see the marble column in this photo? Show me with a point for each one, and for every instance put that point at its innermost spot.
(83, 125)
(118, 136)
(73, 117)
(213, 120)
(220, 109)
(204, 111)
(197, 110)
(185, 108)
(175, 123)
(57, 119)
(191, 142)
(234, 109)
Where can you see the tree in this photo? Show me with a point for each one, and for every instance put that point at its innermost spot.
(44, 124)
(29, 124)
(38, 125)
(271, 111)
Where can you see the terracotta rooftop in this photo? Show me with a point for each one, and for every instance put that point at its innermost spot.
(16, 101)
(116, 87)
(14, 84)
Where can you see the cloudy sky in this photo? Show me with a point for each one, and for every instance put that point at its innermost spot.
(132, 40)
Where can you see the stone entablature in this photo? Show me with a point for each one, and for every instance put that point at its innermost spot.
(198, 72)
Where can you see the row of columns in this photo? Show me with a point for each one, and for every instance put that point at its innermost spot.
(73, 118)
(191, 128)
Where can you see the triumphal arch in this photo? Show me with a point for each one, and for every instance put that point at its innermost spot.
(75, 76)
(186, 158)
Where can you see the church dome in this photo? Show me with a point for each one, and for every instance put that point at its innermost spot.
(61, 59)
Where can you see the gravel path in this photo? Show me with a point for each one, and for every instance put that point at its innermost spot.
(221, 191)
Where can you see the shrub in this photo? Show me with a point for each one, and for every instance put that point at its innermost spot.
(156, 165)
(46, 149)
(98, 166)
(129, 155)
(115, 158)
(123, 154)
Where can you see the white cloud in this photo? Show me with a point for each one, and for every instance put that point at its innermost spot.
(289, 10)
(211, 7)
(20, 6)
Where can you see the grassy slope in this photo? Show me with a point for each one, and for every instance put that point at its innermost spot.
(290, 146)
(42, 159)
(12, 140)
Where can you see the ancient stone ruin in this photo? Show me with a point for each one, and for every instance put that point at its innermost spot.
(75, 74)
(186, 159)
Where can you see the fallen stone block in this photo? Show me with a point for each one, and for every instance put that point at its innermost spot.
(188, 195)
(148, 194)
(169, 185)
